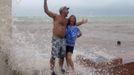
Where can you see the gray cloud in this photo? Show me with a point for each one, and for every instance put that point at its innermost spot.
(82, 7)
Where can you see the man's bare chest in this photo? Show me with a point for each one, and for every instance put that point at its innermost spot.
(61, 21)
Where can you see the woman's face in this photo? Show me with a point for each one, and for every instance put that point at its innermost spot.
(72, 20)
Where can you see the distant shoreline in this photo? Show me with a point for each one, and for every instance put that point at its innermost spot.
(92, 19)
(76, 15)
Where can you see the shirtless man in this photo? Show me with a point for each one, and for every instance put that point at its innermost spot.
(58, 39)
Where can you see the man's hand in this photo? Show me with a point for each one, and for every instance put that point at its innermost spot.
(49, 13)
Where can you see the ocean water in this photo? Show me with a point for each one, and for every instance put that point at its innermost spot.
(31, 38)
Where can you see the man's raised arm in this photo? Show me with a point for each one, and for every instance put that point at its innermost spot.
(49, 13)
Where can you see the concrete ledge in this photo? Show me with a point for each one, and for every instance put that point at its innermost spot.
(5, 32)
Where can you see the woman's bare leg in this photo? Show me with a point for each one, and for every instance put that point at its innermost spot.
(69, 60)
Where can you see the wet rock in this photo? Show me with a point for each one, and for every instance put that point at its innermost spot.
(101, 63)
(123, 64)
(88, 62)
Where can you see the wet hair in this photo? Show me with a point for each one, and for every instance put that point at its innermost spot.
(68, 23)
(63, 8)
(60, 11)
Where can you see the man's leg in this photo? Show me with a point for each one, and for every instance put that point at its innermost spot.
(52, 63)
(53, 55)
(62, 55)
(61, 62)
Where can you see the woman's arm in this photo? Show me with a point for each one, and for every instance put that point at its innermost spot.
(82, 22)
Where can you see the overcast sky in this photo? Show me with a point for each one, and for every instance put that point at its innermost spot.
(77, 7)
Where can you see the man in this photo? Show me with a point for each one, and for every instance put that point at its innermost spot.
(58, 39)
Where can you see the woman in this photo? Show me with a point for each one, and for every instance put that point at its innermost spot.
(72, 33)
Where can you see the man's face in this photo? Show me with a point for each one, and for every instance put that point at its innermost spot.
(65, 12)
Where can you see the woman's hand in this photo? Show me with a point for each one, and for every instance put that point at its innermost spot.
(84, 21)
(79, 35)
